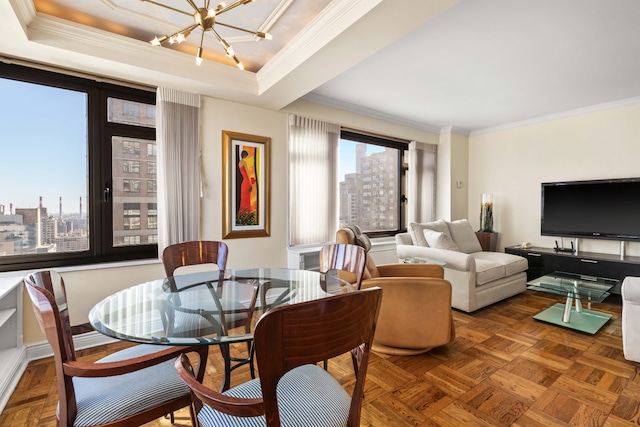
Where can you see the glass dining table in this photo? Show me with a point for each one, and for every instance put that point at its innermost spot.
(207, 308)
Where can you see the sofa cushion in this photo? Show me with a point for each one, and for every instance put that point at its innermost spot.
(439, 240)
(464, 237)
(512, 263)
(417, 235)
(488, 271)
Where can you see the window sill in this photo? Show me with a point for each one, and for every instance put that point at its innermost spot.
(87, 267)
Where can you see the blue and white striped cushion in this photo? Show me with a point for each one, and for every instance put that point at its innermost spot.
(308, 396)
(101, 400)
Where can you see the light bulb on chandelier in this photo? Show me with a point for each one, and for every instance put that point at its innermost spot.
(205, 19)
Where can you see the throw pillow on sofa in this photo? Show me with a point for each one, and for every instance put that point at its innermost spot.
(439, 240)
(417, 235)
(464, 237)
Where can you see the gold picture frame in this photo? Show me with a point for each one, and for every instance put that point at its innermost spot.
(245, 180)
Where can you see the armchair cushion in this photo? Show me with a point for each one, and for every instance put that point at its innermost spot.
(439, 240)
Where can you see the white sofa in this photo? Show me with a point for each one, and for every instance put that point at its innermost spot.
(630, 317)
(477, 278)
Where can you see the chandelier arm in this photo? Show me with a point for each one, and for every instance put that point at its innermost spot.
(187, 28)
(236, 28)
(220, 39)
(201, 38)
(233, 5)
(193, 5)
(168, 7)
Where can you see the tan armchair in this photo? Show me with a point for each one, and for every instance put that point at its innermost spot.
(415, 315)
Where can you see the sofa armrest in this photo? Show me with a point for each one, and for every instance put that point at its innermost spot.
(631, 290)
(411, 270)
(454, 260)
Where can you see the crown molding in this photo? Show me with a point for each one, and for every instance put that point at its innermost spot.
(570, 113)
(330, 23)
(346, 106)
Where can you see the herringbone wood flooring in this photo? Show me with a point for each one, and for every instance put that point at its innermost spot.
(503, 369)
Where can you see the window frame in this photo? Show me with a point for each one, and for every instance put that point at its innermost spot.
(99, 169)
(402, 147)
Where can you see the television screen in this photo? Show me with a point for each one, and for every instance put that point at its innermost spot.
(602, 209)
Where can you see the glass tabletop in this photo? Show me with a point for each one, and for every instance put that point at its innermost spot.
(592, 289)
(207, 308)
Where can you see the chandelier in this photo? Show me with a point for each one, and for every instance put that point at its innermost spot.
(205, 19)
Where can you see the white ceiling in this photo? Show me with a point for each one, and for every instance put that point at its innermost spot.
(472, 65)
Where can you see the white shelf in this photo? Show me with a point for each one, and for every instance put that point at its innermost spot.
(5, 315)
(13, 360)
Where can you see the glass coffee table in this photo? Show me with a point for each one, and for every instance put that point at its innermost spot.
(578, 290)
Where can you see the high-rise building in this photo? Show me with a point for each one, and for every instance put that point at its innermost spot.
(368, 197)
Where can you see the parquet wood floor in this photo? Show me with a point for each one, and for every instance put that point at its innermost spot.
(503, 369)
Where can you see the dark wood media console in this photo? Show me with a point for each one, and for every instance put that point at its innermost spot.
(546, 260)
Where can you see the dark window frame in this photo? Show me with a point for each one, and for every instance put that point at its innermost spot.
(401, 146)
(99, 169)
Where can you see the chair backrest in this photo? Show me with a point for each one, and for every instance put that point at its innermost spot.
(345, 258)
(194, 253)
(353, 236)
(48, 297)
(289, 336)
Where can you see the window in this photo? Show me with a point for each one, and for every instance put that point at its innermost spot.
(131, 147)
(151, 150)
(131, 185)
(151, 168)
(370, 183)
(130, 109)
(131, 216)
(71, 209)
(131, 240)
(152, 187)
(130, 166)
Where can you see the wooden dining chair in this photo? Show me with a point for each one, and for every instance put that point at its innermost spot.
(292, 390)
(198, 253)
(348, 260)
(128, 388)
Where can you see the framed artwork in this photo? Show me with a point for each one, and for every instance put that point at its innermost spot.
(245, 182)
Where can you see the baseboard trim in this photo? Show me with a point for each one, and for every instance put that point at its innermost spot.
(13, 372)
(42, 349)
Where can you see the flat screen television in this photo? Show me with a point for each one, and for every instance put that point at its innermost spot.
(597, 209)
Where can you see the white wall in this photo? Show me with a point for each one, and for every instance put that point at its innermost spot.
(221, 115)
(511, 164)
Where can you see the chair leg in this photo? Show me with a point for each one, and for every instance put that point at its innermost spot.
(251, 352)
(226, 355)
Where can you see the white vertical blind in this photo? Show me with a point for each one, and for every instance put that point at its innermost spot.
(421, 183)
(179, 177)
(313, 184)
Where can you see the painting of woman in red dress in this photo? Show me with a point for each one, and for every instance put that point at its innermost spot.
(247, 205)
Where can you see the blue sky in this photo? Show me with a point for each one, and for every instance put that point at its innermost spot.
(43, 146)
(348, 156)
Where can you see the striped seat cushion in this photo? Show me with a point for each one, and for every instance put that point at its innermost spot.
(308, 396)
(101, 400)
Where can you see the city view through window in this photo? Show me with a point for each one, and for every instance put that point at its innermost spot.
(44, 176)
(368, 187)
